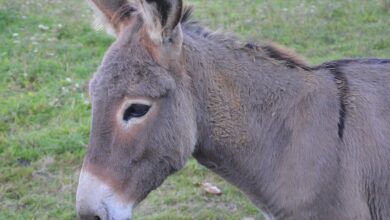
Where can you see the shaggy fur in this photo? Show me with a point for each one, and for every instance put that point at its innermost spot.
(302, 142)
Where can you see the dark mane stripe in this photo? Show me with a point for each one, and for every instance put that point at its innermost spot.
(342, 85)
(370, 61)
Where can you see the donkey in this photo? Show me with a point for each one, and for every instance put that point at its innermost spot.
(302, 142)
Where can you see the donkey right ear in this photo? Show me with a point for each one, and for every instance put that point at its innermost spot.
(163, 19)
(111, 15)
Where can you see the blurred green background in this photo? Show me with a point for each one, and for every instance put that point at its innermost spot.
(49, 50)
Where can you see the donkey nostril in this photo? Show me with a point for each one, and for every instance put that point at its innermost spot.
(89, 217)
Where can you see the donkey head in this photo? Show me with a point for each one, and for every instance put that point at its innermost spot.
(143, 118)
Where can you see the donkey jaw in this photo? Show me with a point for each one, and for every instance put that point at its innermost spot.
(96, 200)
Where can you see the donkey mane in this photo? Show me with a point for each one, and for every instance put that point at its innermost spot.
(269, 50)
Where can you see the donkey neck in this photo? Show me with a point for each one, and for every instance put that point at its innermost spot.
(247, 106)
(236, 89)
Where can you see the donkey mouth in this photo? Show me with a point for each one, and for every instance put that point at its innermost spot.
(96, 200)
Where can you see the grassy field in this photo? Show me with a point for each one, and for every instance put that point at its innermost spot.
(48, 51)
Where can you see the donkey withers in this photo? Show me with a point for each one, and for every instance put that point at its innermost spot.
(302, 142)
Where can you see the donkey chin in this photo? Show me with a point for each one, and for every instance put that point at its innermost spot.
(96, 200)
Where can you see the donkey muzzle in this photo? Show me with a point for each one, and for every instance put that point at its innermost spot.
(95, 200)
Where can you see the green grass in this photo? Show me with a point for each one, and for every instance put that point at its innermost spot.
(48, 52)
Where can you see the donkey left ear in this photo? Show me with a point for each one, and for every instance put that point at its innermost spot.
(112, 14)
(163, 19)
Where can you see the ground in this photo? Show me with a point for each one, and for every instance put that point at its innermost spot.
(48, 51)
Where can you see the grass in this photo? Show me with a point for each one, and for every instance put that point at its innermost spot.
(48, 51)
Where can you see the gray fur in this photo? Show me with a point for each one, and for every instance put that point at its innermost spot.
(259, 118)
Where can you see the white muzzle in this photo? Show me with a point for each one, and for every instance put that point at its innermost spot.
(97, 200)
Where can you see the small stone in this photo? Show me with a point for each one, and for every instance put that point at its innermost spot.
(43, 27)
(212, 189)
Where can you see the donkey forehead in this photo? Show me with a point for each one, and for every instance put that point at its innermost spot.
(128, 71)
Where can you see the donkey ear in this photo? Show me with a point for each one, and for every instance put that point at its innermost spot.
(111, 14)
(163, 18)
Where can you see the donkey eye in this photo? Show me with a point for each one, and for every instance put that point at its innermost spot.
(135, 111)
